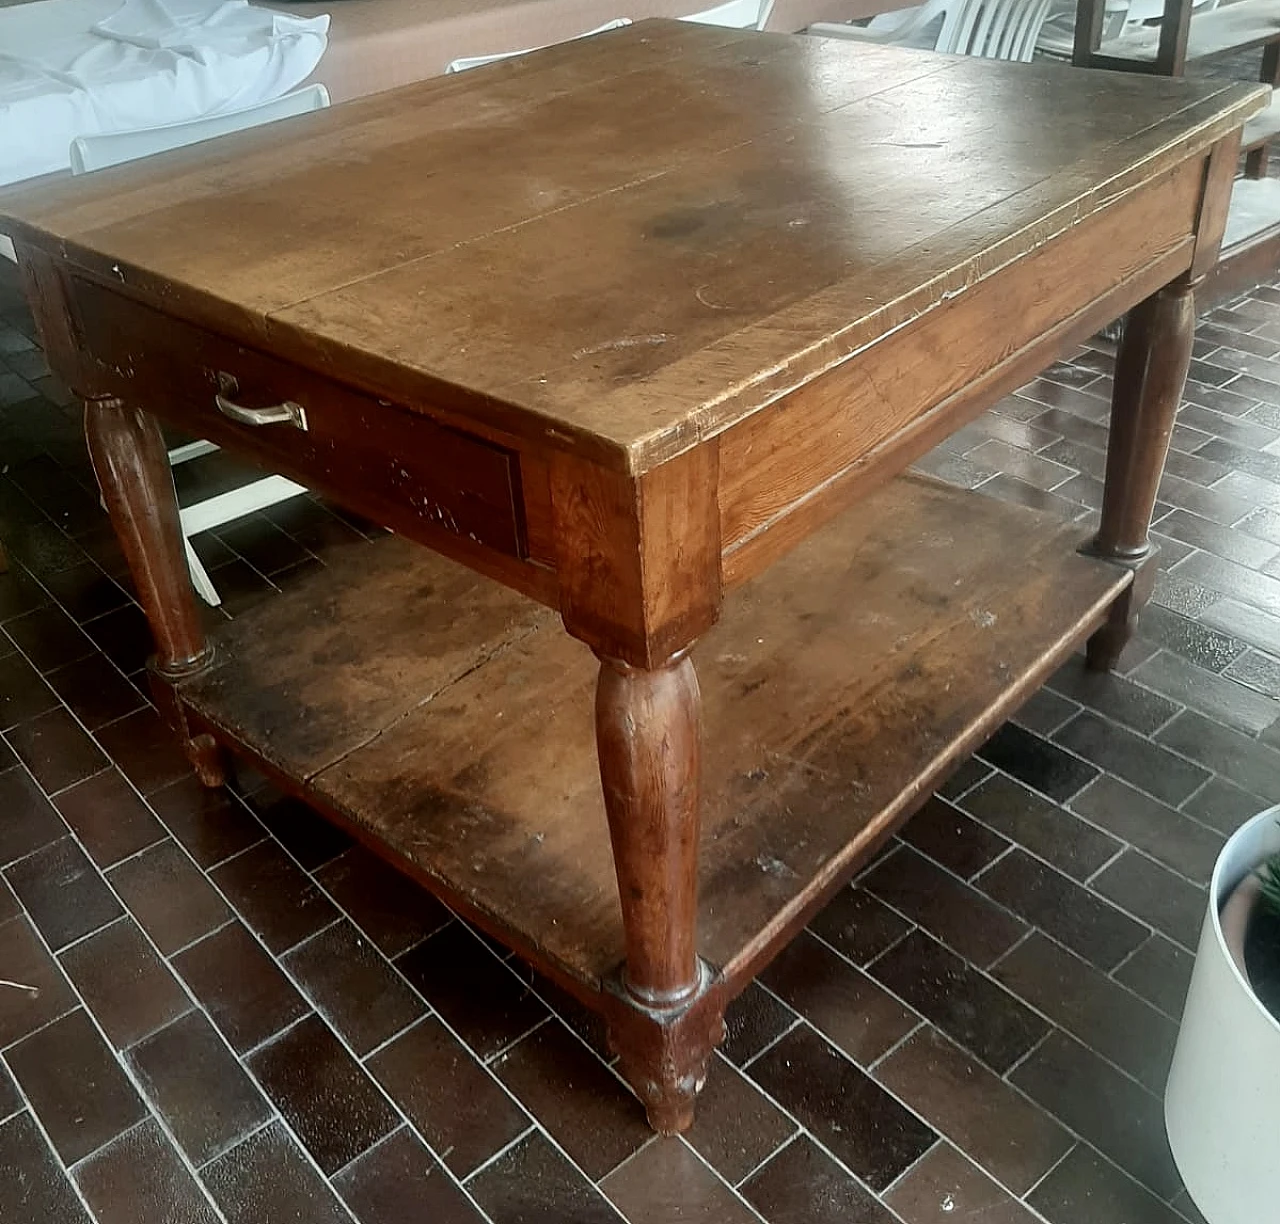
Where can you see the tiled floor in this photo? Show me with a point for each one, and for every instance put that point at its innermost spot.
(215, 1008)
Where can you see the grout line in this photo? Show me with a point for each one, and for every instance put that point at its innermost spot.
(897, 1045)
(1049, 1172)
(755, 1168)
(531, 1129)
(186, 947)
(760, 1053)
(244, 1055)
(717, 1176)
(500, 1055)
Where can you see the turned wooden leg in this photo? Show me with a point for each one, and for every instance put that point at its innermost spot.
(647, 730)
(133, 472)
(1151, 370)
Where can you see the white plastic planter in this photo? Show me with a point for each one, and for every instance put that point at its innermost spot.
(1222, 1102)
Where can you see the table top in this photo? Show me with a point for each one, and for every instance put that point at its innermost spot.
(626, 244)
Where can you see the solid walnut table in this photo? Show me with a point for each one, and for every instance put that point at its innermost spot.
(636, 336)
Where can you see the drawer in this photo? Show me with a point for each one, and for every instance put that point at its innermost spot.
(397, 466)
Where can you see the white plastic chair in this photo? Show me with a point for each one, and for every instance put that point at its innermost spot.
(477, 61)
(89, 153)
(992, 29)
(1057, 38)
(742, 14)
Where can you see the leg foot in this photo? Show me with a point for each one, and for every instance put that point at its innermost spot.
(207, 760)
(664, 1053)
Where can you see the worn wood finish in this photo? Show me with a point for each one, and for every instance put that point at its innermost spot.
(630, 326)
(836, 689)
(1151, 369)
(616, 186)
(132, 467)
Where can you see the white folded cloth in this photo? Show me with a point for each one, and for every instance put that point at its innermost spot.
(78, 67)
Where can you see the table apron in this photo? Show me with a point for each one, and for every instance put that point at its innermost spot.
(797, 463)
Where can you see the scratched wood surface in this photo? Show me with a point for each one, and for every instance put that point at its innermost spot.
(631, 244)
(835, 689)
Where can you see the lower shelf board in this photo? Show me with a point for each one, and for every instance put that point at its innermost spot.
(449, 721)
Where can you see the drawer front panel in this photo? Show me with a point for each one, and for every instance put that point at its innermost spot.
(402, 468)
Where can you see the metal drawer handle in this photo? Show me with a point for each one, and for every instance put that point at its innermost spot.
(287, 413)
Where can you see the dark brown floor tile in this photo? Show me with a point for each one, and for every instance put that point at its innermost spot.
(966, 776)
(84, 591)
(8, 758)
(852, 1115)
(107, 816)
(947, 1186)
(1222, 541)
(63, 893)
(1085, 1189)
(19, 593)
(1119, 699)
(1257, 671)
(1088, 925)
(1039, 764)
(803, 1185)
(1177, 841)
(1044, 828)
(951, 838)
(947, 908)
(29, 821)
(56, 750)
(198, 1087)
(400, 1182)
(1128, 756)
(266, 1179)
(589, 1025)
(140, 1177)
(33, 1188)
(76, 1088)
(96, 692)
(452, 1100)
(392, 911)
(995, 1127)
(1160, 972)
(49, 638)
(145, 749)
(40, 992)
(480, 998)
(1172, 905)
(1044, 712)
(532, 1183)
(1111, 1111)
(274, 897)
(306, 835)
(1234, 581)
(666, 1181)
(858, 925)
(124, 983)
(11, 1101)
(246, 995)
(333, 1107)
(353, 987)
(169, 896)
(736, 1126)
(9, 906)
(584, 1108)
(840, 1000)
(260, 542)
(1092, 1007)
(752, 1021)
(211, 825)
(1247, 763)
(1222, 805)
(969, 1007)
